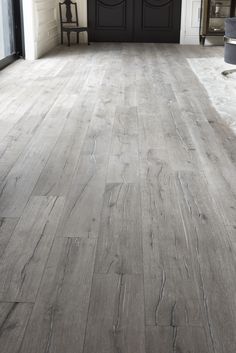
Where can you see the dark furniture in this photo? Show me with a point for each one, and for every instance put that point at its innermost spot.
(213, 15)
(152, 21)
(230, 44)
(69, 20)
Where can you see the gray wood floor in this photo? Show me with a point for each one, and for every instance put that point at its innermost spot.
(117, 205)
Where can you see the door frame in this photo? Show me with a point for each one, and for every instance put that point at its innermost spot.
(19, 28)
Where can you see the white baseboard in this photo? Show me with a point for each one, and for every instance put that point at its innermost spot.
(189, 40)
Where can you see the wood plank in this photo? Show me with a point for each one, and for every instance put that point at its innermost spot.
(81, 215)
(123, 163)
(23, 262)
(13, 322)
(176, 339)
(151, 134)
(179, 142)
(232, 233)
(129, 69)
(116, 315)
(98, 138)
(171, 294)
(19, 183)
(217, 167)
(29, 122)
(59, 317)
(56, 177)
(7, 226)
(119, 247)
(213, 260)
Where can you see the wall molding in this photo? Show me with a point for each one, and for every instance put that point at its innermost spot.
(190, 21)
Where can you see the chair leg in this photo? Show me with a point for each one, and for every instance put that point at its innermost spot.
(68, 38)
(226, 73)
(61, 37)
(77, 37)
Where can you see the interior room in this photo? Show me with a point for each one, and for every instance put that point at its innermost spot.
(117, 176)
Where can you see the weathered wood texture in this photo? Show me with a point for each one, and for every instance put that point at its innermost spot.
(59, 317)
(7, 226)
(117, 205)
(13, 321)
(115, 321)
(23, 261)
(119, 247)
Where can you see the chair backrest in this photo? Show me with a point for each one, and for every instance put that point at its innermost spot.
(68, 12)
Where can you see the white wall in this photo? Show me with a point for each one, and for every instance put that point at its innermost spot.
(46, 25)
(190, 21)
(40, 26)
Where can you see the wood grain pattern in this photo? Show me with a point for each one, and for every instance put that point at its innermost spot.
(213, 258)
(119, 247)
(19, 183)
(176, 339)
(117, 303)
(58, 320)
(117, 204)
(123, 163)
(171, 296)
(13, 321)
(22, 264)
(56, 177)
(81, 214)
(7, 226)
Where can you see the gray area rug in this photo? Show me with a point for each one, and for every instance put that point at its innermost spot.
(221, 90)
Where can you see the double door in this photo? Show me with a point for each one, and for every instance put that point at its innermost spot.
(156, 21)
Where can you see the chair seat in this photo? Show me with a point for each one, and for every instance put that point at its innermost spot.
(72, 28)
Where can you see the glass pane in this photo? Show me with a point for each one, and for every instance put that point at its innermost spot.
(216, 25)
(7, 45)
(220, 9)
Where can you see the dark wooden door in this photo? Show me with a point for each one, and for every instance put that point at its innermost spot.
(157, 21)
(110, 20)
(134, 20)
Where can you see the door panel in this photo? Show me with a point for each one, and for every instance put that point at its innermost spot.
(110, 20)
(134, 20)
(157, 21)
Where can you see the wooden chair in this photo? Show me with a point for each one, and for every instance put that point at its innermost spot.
(68, 22)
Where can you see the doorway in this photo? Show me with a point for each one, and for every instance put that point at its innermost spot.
(155, 21)
(11, 32)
